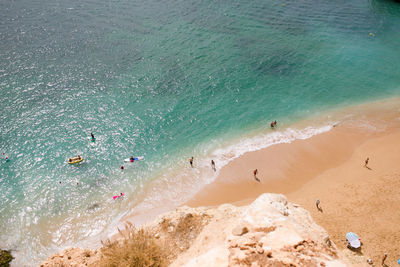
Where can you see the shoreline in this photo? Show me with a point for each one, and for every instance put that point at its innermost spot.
(164, 191)
(294, 169)
(329, 167)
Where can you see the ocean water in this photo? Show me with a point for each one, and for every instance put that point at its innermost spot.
(164, 79)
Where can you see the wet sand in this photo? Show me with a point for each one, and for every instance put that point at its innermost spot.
(330, 167)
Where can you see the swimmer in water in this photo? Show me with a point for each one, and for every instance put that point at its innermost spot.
(191, 161)
(121, 195)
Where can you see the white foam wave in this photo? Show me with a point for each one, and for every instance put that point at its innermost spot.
(226, 154)
(180, 183)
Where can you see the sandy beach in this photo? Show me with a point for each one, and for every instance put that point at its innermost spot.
(330, 167)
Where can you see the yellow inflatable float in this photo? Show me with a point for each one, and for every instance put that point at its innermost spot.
(75, 160)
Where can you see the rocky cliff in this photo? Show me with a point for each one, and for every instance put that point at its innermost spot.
(268, 232)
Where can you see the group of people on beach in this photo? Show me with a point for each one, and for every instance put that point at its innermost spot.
(255, 172)
(273, 124)
(349, 242)
(212, 163)
(317, 202)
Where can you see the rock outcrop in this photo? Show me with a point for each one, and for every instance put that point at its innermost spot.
(74, 257)
(268, 232)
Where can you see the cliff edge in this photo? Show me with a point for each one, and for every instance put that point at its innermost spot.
(269, 232)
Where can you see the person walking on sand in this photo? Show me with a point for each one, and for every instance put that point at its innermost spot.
(317, 202)
(191, 162)
(383, 259)
(255, 172)
(366, 163)
(213, 165)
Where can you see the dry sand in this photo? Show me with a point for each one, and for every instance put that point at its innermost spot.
(330, 167)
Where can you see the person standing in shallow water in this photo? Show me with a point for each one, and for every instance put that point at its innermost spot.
(191, 162)
(213, 165)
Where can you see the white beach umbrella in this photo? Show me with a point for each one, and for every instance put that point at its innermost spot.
(353, 240)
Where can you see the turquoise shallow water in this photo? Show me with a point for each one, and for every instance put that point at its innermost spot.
(166, 80)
